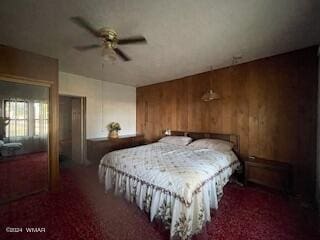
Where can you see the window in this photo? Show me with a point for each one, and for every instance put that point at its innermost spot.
(40, 118)
(27, 118)
(17, 111)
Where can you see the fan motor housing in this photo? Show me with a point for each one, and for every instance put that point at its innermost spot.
(109, 35)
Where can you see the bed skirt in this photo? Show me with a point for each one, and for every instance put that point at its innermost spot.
(183, 220)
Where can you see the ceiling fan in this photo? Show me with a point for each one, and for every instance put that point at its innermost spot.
(110, 40)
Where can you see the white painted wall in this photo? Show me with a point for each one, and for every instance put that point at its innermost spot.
(106, 102)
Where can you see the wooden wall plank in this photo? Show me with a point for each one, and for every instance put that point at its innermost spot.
(270, 103)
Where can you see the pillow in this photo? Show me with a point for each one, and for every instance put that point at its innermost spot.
(214, 144)
(177, 140)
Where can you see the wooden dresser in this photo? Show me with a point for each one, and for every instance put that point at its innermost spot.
(98, 147)
(269, 173)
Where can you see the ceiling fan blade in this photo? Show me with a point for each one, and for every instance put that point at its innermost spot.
(121, 54)
(81, 22)
(132, 40)
(87, 47)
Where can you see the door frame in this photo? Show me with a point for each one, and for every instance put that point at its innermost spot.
(83, 103)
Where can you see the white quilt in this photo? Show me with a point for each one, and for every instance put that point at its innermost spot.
(175, 184)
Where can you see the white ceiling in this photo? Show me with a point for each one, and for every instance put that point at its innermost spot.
(185, 37)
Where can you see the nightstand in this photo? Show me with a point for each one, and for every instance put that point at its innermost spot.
(269, 173)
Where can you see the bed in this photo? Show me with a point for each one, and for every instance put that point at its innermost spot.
(177, 185)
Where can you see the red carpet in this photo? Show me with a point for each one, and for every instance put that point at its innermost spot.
(22, 174)
(81, 210)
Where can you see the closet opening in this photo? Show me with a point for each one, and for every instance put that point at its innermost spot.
(72, 134)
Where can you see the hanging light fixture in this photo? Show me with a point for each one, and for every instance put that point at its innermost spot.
(108, 53)
(209, 96)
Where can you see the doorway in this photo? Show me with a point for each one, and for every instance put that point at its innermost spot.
(72, 143)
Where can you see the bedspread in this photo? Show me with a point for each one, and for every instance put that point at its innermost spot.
(175, 184)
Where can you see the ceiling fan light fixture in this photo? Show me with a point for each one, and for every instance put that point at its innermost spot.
(110, 39)
(209, 96)
(109, 54)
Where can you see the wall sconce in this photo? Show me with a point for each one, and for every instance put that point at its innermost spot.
(209, 96)
(167, 132)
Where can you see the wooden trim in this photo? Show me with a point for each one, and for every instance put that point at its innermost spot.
(54, 138)
(83, 129)
(25, 80)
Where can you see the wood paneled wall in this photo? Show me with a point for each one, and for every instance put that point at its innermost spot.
(270, 103)
(26, 67)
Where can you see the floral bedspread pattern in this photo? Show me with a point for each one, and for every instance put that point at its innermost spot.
(175, 184)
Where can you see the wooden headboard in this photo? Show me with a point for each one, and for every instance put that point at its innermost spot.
(199, 135)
